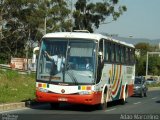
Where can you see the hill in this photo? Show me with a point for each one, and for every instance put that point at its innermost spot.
(138, 40)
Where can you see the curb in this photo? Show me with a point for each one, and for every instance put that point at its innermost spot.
(32, 103)
(11, 106)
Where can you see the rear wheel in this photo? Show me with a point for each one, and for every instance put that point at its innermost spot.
(125, 95)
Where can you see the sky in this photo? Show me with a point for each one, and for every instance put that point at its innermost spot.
(142, 20)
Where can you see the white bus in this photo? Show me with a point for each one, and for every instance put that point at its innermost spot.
(84, 68)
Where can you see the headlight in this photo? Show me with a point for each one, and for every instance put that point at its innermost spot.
(85, 92)
(137, 87)
(43, 90)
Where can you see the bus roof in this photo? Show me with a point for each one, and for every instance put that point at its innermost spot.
(93, 36)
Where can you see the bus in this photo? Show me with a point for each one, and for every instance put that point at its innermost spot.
(84, 68)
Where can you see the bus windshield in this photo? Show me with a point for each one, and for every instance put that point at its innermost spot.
(67, 61)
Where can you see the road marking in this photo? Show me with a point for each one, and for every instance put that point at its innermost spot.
(137, 103)
(154, 98)
(110, 110)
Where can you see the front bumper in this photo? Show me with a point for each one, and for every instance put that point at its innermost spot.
(92, 99)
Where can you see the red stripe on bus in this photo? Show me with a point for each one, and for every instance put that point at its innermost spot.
(114, 92)
(130, 90)
(94, 98)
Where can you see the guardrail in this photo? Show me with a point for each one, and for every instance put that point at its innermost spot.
(7, 67)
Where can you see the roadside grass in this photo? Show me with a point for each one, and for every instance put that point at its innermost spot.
(154, 85)
(15, 87)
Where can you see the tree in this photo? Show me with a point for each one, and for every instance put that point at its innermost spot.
(140, 65)
(143, 47)
(57, 14)
(12, 31)
(153, 60)
(89, 15)
(154, 65)
(23, 22)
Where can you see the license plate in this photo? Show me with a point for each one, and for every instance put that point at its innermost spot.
(62, 99)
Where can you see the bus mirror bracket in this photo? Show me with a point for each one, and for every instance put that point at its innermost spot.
(36, 50)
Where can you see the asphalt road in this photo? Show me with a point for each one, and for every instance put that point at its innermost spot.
(147, 108)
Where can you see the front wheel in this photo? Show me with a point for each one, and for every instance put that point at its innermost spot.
(54, 105)
(145, 94)
(141, 94)
(103, 106)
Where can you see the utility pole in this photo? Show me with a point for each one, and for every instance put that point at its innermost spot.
(45, 22)
(1, 20)
(70, 17)
(27, 50)
(147, 65)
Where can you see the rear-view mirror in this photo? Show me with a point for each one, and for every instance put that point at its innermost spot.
(36, 50)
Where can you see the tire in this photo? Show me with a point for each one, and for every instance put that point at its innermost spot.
(145, 94)
(103, 106)
(141, 95)
(123, 100)
(54, 105)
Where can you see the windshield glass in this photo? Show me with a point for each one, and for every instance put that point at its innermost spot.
(150, 80)
(67, 61)
(137, 81)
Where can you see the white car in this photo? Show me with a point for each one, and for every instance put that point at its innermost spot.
(150, 81)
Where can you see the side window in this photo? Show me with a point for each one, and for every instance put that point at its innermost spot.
(101, 45)
(122, 55)
(113, 52)
(132, 56)
(129, 56)
(126, 55)
(100, 61)
(117, 53)
(107, 51)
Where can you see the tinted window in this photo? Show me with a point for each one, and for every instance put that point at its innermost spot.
(112, 52)
(137, 81)
(126, 57)
(117, 53)
(107, 51)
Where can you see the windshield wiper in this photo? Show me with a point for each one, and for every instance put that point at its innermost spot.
(67, 66)
(71, 74)
(52, 72)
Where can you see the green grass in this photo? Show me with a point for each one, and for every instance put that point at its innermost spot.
(15, 87)
(154, 85)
